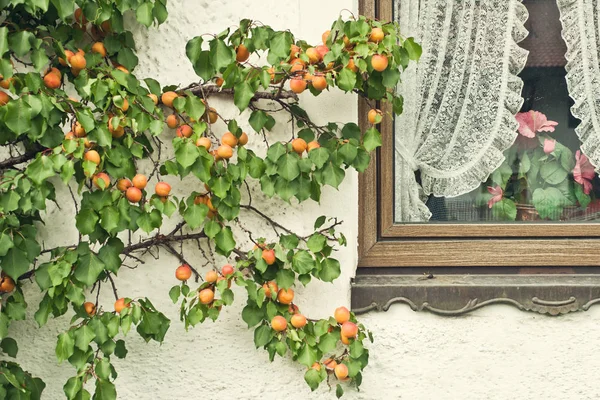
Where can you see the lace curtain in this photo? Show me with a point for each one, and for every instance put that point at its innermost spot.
(460, 98)
(581, 32)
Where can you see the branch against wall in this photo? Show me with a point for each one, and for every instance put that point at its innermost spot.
(116, 120)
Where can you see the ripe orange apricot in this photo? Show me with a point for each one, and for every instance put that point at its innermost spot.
(349, 329)
(52, 81)
(93, 156)
(4, 98)
(243, 139)
(206, 296)
(376, 35)
(294, 51)
(212, 115)
(298, 321)
(222, 278)
(341, 371)
(344, 339)
(125, 105)
(154, 98)
(104, 177)
(183, 272)
(140, 181)
(299, 145)
(227, 269)
(379, 62)
(77, 61)
(90, 308)
(373, 115)
(78, 130)
(122, 69)
(211, 276)
(322, 50)
(229, 139)
(168, 97)
(341, 315)
(184, 131)
(325, 35)
(7, 284)
(297, 84)
(279, 323)
(123, 184)
(172, 121)
(162, 189)
(219, 81)
(225, 151)
(205, 142)
(99, 48)
(293, 309)
(68, 55)
(285, 296)
(269, 256)
(297, 65)
(330, 363)
(312, 145)
(270, 289)
(117, 131)
(120, 305)
(316, 366)
(133, 194)
(319, 82)
(313, 55)
(79, 17)
(352, 66)
(241, 53)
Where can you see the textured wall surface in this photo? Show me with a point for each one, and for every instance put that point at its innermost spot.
(494, 353)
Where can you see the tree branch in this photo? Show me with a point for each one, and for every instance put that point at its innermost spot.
(201, 90)
(28, 155)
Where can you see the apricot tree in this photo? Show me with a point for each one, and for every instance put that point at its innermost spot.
(75, 118)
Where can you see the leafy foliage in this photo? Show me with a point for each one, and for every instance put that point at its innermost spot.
(118, 120)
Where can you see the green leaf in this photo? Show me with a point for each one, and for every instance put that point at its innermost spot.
(86, 221)
(195, 214)
(83, 336)
(9, 346)
(242, 95)
(259, 120)
(285, 278)
(221, 55)
(328, 342)
(414, 49)
(330, 270)
(193, 48)
(194, 107)
(307, 356)
(15, 263)
(72, 387)
(333, 175)
(303, 262)
(20, 42)
(549, 202)
(372, 139)
(212, 228)
(120, 350)
(505, 210)
(346, 79)
(18, 116)
(174, 293)
(186, 153)
(252, 315)
(339, 391)
(144, 13)
(3, 40)
(553, 173)
(262, 335)
(279, 47)
(356, 349)
(64, 8)
(88, 269)
(583, 199)
(275, 151)
(224, 241)
(289, 241)
(64, 347)
(105, 390)
(287, 167)
(319, 156)
(316, 242)
(127, 58)
(313, 378)
(5, 244)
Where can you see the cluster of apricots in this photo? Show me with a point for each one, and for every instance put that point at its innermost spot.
(300, 77)
(207, 201)
(206, 295)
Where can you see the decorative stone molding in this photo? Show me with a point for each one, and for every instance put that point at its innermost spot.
(453, 295)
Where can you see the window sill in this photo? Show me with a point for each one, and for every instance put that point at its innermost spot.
(453, 295)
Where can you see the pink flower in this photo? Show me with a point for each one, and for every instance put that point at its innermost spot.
(583, 172)
(549, 145)
(534, 121)
(496, 193)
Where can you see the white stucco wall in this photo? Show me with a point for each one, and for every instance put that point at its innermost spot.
(493, 353)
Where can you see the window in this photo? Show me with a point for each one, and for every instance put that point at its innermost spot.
(536, 212)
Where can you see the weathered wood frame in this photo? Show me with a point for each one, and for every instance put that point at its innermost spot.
(384, 243)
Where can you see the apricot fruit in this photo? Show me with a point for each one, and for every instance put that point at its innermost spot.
(241, 53)
(352, 66)
(373, 115)
(349, 329)
(269, 256)
(133, 194)
(325, 35)
(219, 81)
(341, 315)
(379, 62)
(101, 176)
(204, 142)
(93, 156)
(90, 308)
(68, 55)
(168, 97)
(319, 82)
(270, 289)
(298, 321)
(312, 145)
(162, 189)
(99, 48)
(227, 270)
(154, 98)
(120, 305)
(313, 55)
(7, 284)
(298, 85)
(299, 145)
(184, 131)
(285, 296)
(183, 272)
(376, 35)
(243, 139)
(212, 115)
(206, 296)
(140, 181)
(341, 371)
(4, 98)
(211, 276)
(52, 81)
(78, 62)
(229, 139)
(124, 184)
(279, 323)
(225, 151)
(322, 50)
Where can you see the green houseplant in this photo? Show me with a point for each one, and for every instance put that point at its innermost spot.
(540, 177)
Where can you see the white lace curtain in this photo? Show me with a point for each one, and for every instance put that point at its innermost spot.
(460, 99)
(581, 32)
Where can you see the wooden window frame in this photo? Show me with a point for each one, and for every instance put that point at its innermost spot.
(452, 269)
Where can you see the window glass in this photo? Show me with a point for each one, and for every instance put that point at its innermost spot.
(545, 177)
